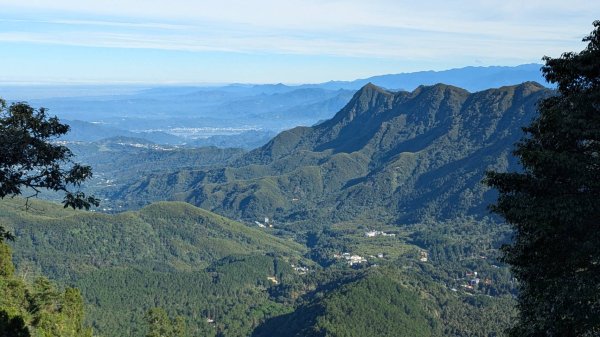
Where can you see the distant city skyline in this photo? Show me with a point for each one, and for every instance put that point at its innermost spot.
(310, 41)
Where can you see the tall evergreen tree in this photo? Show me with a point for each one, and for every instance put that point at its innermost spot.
(554, 203)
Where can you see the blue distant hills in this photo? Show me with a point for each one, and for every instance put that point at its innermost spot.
(233, 115)
(469, 78)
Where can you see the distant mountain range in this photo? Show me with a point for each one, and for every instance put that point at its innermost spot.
(472, 78)
(469, 78)
(401, 155)
(193, 114)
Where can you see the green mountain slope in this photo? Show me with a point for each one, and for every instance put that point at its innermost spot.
(375, 305)
(175, 236)
(190, 261)
(119, 161)
(199, 265)
(393, 302)
(400, 155)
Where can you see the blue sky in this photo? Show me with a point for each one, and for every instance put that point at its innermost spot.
(270, 41)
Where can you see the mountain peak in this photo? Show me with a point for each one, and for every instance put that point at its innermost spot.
(531, 86)
(370, 88)
(369, 97)
(524, 89)
(436, 89)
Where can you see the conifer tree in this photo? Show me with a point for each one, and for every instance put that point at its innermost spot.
(554, 202)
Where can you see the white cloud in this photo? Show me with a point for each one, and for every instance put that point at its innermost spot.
(319, 13)
(431, 32)
(388, 45)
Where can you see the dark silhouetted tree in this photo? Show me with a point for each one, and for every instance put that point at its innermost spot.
(554, 203)
(30, 160)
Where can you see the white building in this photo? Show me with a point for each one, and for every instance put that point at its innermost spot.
(371, 234)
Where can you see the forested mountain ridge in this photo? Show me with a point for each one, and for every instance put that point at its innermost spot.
(404, 155)
(164, 235)
(187, 260)
(380, 303)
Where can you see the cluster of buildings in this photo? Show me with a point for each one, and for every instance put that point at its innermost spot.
(350, 259)
(300, 269)
(474, 280)
(371, 234)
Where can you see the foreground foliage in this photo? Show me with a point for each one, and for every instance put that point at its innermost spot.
(30, 162)
(37, 309)
(554, 203)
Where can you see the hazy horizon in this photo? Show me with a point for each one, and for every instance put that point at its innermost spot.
(150, 84)
(177, 42)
